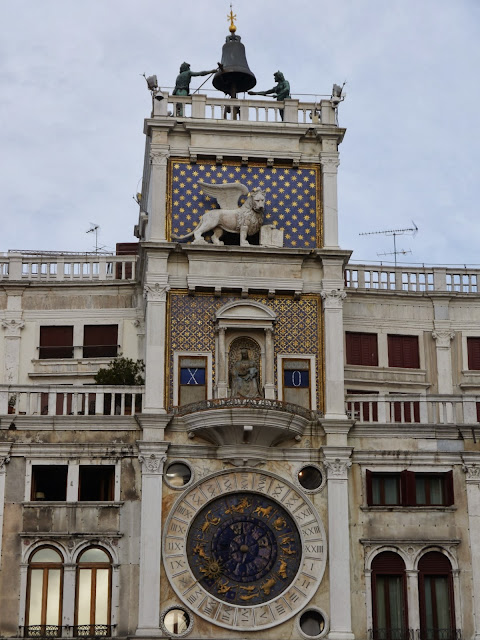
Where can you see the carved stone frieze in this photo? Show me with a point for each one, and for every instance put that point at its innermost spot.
(472, 472)
(152, 463)
(156, 292)
(443, 338)
(329, 164)
(333, 299)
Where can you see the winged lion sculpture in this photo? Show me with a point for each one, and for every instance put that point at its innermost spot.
(245, 220)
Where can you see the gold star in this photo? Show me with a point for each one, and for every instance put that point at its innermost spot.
(294, 217)
(182, 173)
(287, 210)
(177, 166)
(261, 170)
(175, 191)
(176, 216)
(195, 173)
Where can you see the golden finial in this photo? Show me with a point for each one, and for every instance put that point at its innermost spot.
(232, 17)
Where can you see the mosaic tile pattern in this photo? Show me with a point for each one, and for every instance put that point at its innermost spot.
(192, 326)
(292, 197)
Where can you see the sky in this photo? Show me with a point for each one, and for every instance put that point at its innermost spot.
(73, 100)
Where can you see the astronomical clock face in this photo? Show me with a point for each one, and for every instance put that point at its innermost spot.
(244, 550)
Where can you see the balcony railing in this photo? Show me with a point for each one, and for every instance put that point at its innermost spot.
(418, 279)
(390, 634)
(225, 108)
(438, 634)
(62, 400)
(406, 409)
(66, 268)
(43, 631)
(78, 631)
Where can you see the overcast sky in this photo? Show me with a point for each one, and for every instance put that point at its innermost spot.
(73, 101)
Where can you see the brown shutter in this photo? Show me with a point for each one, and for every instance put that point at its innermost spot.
(368, 475)
(361, 348)
(395, 358)
(403, 352)
(388, 562)
(56, 342)
(408, 484)
(449, 497)
(434, 562)
(100, 341)
(473, 348)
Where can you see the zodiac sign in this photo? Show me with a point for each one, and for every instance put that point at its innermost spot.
(209, 519)
(264, 511)
(251, 588)
(240, 507)
(279, 524)
(288, 550)
(223, 587)
(200, 551)
(254, 595)
(213, 569)
(267, 586)
(282, 571)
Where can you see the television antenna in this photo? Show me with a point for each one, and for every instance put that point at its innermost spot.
(94, 229)
(411, 231)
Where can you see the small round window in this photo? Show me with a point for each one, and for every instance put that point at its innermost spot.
(312, 623)
(177, 622)
(310, 478)
(178, 475)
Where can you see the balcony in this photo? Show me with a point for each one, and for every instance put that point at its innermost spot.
(78, 631)
(389, 408)
(200, 106)
(411, 279)
(71, 400)
(66, 267)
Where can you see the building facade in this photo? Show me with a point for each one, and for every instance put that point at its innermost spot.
(302, 458)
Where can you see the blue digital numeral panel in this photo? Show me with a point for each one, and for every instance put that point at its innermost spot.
(296, 378)
(192, 376)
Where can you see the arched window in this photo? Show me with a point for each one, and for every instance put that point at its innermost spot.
(437, 612)
(93, 599)
(389, 597)
(44, 593)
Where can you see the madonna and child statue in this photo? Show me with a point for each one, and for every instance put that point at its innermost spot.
(245, 373)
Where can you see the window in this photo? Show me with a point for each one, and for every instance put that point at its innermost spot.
(473, 349)
(435, 585)
(49, 482)
(192, 383)
(44, 594)
(56, 342)
(389, 597)
(296, 381)
(384, 488)
(361, 348)
(96, 483)
(409, 488)
(93, 600)
(403, 352)
(100, 340)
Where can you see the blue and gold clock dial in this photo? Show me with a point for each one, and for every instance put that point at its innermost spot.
(244, 548)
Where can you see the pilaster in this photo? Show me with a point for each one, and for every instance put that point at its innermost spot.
(337, 462)
(156, 311)
(269, 365)
(4, 460)
(334, 360)
(472, 480)
(330, 163)
(152, 457)
(12, 324)
(443, 338)
(156, 229)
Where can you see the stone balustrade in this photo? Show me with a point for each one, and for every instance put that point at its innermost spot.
(54, 400)
(16, 266)
(418, 279)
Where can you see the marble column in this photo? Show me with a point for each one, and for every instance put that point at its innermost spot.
(337, 462)
(472, 480)
(152, 457)
(4, 460)
(12, 327)
(222, 382)
(334, 360)
(157, 196)
(156, 310)
(330, 163)
(412, 599)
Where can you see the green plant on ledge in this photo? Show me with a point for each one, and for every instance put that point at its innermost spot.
(121, 371)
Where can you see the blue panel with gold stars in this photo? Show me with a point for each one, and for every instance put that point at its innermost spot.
(292, 197)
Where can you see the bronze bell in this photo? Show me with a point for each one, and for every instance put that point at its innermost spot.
(235, 75)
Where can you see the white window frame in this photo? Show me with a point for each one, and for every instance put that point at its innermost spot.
(176, 372)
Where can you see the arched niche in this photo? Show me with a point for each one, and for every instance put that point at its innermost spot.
(248, 320)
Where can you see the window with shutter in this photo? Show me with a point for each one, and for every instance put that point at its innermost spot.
(56, 342)
(435, 586)
(100, 340)
(389, 597)
(409, 489)
(403, 352)
(361, 348)
(192, 379)
(473, 348)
